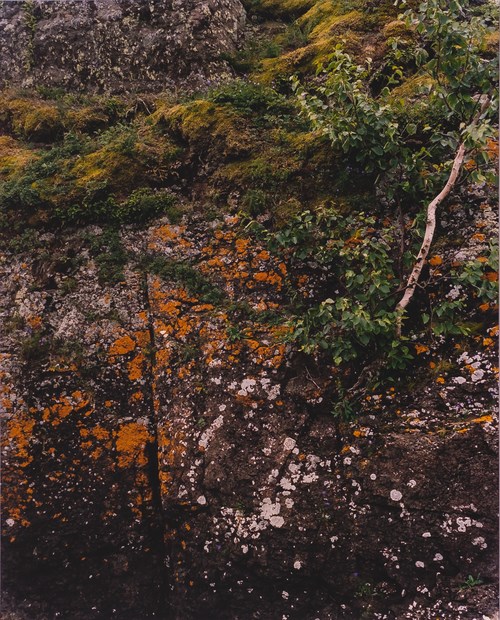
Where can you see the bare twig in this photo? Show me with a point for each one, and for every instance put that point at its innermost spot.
(430, 228)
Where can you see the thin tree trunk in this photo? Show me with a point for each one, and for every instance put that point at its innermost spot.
(430, 228)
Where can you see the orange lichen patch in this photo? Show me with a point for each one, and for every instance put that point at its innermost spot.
(143, 316)
(56, 413)
(491, 276)
(20, 433)
(440, 380)
(270, 277)
(483, 419)
(478, 237)
(136, 366)
(35, 322)
(435, 261)
(137, 397)
(142, 338)
(100, 433)
(492, 148)
(168, 232)
(488, 342)
(163, 357)
(432, 365)
(79, 399)
(421, 348)
(108, 403)
(122, 346)
(482, 259)
(242, 245)
(494, 331)
(65, 405)
(484, 307)
(131, 441)
(263, 255)
(170, 307)
(215, 262)
(185, 371)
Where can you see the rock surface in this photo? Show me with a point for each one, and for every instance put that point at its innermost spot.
(75, 44)
(164, 458)
(167, 452)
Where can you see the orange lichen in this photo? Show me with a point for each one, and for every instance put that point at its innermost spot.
(35, 322)
(478, 237)
(435, 261)
(142, 338)
(484, 418)
(135, 367)
(270, 277)
(122, 346)
(420, 348)
(131, 441)
(100, 433)
(20, 432)
(242, 245)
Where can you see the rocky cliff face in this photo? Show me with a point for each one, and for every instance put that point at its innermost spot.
(117, 45)
(167, 450)
(166, 455)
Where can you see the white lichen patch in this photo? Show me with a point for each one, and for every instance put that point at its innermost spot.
(247, 386)
(277, 521)
(207, 436)
(396, 495)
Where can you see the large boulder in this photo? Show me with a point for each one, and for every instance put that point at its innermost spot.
(117, 45)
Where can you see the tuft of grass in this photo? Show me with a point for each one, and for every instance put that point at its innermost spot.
(186, 275)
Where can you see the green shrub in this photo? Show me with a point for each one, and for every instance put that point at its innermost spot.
(110, 256)
(144, 204)
(262, 103)
(186, 275)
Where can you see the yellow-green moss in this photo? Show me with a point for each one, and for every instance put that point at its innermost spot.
(490, 43)
(203, 121)
(87, 118)
(32, 119)
(412, 88)
(13, 157)
(286, 7)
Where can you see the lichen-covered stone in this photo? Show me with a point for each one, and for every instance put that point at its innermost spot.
(185, 462)
(75, 45)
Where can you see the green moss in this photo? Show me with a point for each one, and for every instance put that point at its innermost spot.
(109, 255)
(202, 123)
(14, 157)
(31, 119)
